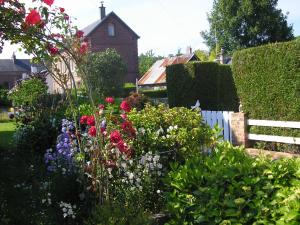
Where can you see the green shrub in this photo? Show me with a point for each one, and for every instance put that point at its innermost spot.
(29, 92)
(4, 101)
(268, 81)
(179, 131)
(156, 93)
(208, 82)
(230, 187)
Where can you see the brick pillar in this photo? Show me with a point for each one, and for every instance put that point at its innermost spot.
(239, 129)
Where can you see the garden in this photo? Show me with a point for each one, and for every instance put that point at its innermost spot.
(90, 156)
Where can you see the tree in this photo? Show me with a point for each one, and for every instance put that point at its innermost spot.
(146, 61)
(105, 72)
(241, 24)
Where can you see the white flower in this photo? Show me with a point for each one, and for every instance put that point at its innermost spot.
(158, 191)
(131, 176)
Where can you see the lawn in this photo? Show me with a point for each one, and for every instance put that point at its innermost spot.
(7, 129)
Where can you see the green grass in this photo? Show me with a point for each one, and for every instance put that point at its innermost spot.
(7, 129)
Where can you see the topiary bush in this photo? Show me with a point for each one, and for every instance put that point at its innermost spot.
(230, 187)
(208, 82)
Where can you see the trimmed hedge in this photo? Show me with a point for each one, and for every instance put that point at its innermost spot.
(156, 93)
(268, 81)
(210, 83)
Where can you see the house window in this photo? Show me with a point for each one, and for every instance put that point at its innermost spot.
(111, 30)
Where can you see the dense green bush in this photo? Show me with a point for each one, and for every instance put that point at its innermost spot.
(230, 187)
(208, 82)
(268, 81)
(4, 101)
(29, 92)
(155, 93)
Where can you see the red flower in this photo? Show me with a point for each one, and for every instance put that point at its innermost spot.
(83, 119)
(90, 121)
(66, 17)
(125, 106)
(92, 131)
(52, 49)
(83, 47)
(48, 2)
(122, 146)
(110, 100)
(102, 129)
(62, 10)
(127, 127)
(33, 18)
(101, 106)
(115, 137)
(1, 2)
(79, 34)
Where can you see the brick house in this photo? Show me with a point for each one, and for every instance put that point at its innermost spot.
(109, 32)
(12, 70)
(112, 32)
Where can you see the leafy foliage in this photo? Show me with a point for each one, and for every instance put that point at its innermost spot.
(230, 187)
(29, 92)
(208, 82)
(247, 23)
(4, 101)
(105, 72)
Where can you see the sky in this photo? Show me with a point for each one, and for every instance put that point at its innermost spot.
(163, 25)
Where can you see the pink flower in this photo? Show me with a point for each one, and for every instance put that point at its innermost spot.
(90, 121)
(83, 119)
(110, 100)
(79, 34)
(33, 18)
(1, 2)
(122, 146)
(66, 17)
(92, 131)
(101, 106)
(48, 2)
(125, 106)
(83, 48)
(115, 137)
(123, 116)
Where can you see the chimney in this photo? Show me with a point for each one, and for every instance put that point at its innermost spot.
(189, 50)
(14, 58)
(102, 11)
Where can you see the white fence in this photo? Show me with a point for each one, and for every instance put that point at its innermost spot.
(272, 138)
(222, 119)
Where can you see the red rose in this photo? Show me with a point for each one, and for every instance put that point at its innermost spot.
(101, 106)
(83, 47)
(52, 49)
(122, 146)
(125, 106)
(48, 2)
(90, 121)
(33, 18)
(83, 119)
(62, 10)
(92, 131)
(79, 34)
(115, 137)
(127, 127)
(110, 100)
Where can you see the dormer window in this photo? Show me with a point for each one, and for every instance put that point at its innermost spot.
(111, 30)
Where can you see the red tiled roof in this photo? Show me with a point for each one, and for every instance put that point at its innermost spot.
(157, 73)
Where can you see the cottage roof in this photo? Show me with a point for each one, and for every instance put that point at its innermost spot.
(90, 28)
(157, 73)
(17, 65)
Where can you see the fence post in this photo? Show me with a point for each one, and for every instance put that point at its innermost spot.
(239, 129)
